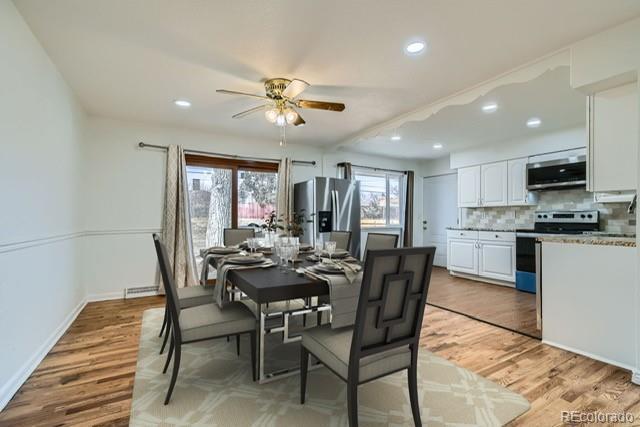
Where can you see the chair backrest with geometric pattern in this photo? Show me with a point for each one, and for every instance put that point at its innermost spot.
(392, 300)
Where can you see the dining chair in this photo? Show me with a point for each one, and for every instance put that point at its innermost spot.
(377, 241)
(384, 338)
(342, 239)
(235, 236)
(200, 323)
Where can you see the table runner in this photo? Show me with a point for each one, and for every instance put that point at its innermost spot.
(223, 268)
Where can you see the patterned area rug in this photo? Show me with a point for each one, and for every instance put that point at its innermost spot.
(214, 388)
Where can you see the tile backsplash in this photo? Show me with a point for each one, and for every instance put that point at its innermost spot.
(613, 216)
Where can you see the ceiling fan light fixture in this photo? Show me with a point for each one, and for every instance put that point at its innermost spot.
(281, 120)
(291, 116)
(271, 115)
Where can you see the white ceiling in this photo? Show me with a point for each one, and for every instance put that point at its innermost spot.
(548, 97)
(130, 59)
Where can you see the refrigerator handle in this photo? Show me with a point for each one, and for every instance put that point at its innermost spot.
(338, 213)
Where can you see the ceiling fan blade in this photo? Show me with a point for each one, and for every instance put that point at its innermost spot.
(299, 120)
(295, 88)
(233, 92)
(249, 111)
(320, 105)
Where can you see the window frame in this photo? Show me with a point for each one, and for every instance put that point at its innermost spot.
(387, 208)
(235, 165)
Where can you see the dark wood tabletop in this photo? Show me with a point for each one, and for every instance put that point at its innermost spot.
(272, 284)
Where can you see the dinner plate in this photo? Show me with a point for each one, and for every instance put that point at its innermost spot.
(224, 251)
(336, 254)
(242, 260)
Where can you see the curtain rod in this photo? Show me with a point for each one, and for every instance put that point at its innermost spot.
(228, 156)
(372, 168)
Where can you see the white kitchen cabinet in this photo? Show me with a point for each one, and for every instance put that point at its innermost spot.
(493, 184)
(489, 255)
(469, 187)
(517, 193)
(462, 256)
(613, 139)
(497, 260)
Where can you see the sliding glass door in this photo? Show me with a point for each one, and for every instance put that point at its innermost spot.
(226, 193)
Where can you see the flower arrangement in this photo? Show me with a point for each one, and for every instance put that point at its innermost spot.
(294, 227)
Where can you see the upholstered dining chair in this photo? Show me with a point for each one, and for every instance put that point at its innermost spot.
(235, 236)
(384, 339)
(377, 241)
(200, 323)
(342, 239)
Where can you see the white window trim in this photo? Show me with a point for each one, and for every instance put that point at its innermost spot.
(387, 225)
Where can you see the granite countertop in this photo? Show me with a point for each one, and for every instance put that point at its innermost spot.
(607, 240)
(499, 230)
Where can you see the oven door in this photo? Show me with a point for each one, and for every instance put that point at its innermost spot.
(557, 174)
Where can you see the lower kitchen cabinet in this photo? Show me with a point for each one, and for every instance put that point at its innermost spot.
(487, 255)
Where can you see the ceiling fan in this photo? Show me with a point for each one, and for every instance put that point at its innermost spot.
(281, 94)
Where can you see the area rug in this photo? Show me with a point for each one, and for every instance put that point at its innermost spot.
(214, 388)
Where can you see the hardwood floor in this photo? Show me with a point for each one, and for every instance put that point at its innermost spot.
(88, 376)
(495, 304)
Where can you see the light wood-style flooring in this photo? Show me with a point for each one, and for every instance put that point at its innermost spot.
(88, 376)
(495, 304)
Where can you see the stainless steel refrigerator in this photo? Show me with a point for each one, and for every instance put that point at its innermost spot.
(336, 205)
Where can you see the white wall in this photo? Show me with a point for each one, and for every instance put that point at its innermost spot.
(524, 147)
(40, 134)
(436, 167)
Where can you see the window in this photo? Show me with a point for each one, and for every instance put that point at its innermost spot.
(227, 193)
(380, 198)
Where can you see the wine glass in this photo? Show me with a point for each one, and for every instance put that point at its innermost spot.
(317, 250)
(330, 247)
(295, 250)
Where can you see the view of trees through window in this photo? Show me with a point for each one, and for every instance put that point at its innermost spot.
(214, 206)
(380, 199)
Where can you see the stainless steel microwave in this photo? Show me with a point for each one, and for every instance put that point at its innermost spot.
(557, 174)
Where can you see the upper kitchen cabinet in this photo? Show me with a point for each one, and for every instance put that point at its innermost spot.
(517, 193)
(493, 184)
(469, 187)
(613, 139)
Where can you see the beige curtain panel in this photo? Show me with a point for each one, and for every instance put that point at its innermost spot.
(176, 220)
(285, 191)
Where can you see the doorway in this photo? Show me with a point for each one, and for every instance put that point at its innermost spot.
(440, 210)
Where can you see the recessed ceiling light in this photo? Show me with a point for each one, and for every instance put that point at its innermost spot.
(182, 103)
(490, 107)
(396, 138)
(437, 146)
(534, 122)
(415, 47)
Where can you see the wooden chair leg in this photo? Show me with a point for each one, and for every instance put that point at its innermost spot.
(304, 369)
(166, 364)
(352, 403)
(164, 321)
(413, 393)
(238, 345)
(174, 373)
(167, 332)
(252, 338)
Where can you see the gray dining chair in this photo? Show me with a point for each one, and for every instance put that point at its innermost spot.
(377, 241)
(200, 323)
(342, 239)
(384, 339)
(235, 236)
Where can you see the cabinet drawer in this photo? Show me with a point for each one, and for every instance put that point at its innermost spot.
(502, 236)
(462, 234)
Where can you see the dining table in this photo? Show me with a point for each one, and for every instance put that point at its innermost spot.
(275, 284)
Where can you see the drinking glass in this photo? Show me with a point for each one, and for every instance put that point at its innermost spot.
(284, 255)
(317, 250)
(330, 247)
(295, 250)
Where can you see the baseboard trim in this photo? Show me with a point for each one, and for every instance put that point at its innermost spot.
(635, 377)
(594, 357)
(106, 296)
(8, 390)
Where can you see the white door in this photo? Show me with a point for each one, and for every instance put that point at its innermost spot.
(439, 211)
(463, 256)
(469, 187)
(494, 184)
(517, 182)
(497, 260)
